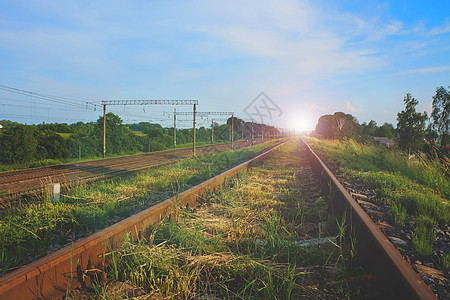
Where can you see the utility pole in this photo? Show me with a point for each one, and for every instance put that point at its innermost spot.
(232, 131)
(252, 130)
(212, 131)
(193, 129)
(104, 130)
(174, 128)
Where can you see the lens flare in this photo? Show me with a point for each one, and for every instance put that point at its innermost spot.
(302, 124)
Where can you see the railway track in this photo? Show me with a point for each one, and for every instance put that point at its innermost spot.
(35, 180)
(63, 270)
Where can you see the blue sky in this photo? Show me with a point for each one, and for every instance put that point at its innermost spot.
(310, 57)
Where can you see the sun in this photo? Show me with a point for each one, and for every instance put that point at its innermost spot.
(302, 124)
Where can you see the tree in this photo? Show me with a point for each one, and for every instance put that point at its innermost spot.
(385, 130)
(338, 125)
(325, 127)
(238, 125)
(18, 144)
(51, 145)
(346, 125)
(114, 132)
(440, 117)
(369, 129)
(411, 125)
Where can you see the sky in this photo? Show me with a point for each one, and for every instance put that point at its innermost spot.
(308, 58)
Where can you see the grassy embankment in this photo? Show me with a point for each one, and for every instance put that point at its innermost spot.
(420, 187)
(241, 243)
(29, 232)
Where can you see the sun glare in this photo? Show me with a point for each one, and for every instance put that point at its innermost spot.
(302, 124)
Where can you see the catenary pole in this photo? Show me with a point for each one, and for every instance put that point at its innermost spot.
(212, 131)
(232, 131)
(104, 130)
(193, 129)
(174, 128)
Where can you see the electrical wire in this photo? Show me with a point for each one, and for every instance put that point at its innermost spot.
(63, 108)
(52, 117)
(57, 99)
(61, 104)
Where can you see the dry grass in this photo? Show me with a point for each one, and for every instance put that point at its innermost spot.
(213, 253)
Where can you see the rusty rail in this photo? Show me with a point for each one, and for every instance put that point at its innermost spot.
(376, 251)
(51, 276)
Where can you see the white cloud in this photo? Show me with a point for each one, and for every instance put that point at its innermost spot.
(349, 107)
(316, 107)
(443, 29)
(392, 28)
(293, 35)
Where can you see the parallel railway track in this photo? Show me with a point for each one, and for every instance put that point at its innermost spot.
(52, 275)
(35, 180)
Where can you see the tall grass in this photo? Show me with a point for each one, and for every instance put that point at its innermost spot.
(424, 236)
(421, 186)
(239, 244)
(29, 232)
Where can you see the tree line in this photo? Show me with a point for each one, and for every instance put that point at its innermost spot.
(341, 125)
(413, 131)
(42, 144)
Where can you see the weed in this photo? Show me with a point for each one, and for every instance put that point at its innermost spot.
(424, 235)
(444, 261)
(346, 245)
(399, 214)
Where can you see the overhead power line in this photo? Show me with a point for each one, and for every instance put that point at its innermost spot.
(57, 99)
(48, 117)
(52, 108)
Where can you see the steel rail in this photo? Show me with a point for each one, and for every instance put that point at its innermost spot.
(54, 274)
(377, 252)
